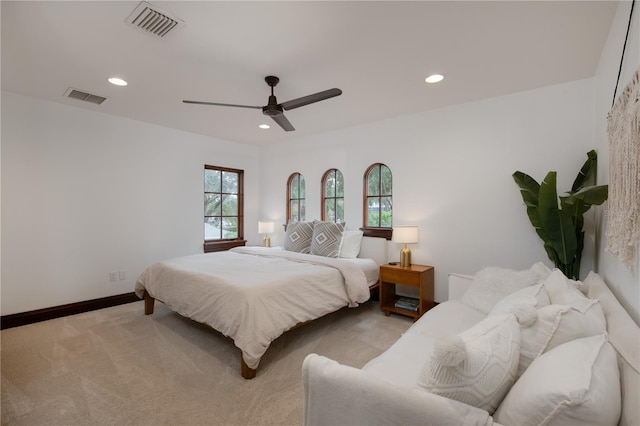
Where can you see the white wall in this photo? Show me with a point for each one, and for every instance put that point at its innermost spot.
(625, 284)
(85, 193)
(451, 174)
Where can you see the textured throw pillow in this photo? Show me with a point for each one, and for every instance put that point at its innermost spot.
(534, 296)
(577, 383)
(350, 247)
(326, 239)
(478, 366)
(492, 284)
(298, 237)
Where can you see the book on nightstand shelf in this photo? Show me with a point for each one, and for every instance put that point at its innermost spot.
(408, 303)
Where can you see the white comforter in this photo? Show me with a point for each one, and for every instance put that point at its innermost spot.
(254, 294)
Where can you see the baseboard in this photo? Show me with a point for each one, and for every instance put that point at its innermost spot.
(24, 318)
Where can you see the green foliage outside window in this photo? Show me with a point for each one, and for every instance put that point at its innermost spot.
(379, 197)
(221, 205)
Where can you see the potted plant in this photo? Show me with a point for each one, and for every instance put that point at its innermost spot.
(560, 224)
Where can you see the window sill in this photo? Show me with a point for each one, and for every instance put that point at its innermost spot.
(385, 233)
(211, 246)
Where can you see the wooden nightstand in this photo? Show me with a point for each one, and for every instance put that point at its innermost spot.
(419, 276)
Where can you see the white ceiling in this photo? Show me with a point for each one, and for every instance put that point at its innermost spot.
(378, 53)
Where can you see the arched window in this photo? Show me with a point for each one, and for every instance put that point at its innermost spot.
(296, 198)
(333, 196)
(378, 203)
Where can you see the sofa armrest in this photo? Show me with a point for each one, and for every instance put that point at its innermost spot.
(458, 284)
(336, 394)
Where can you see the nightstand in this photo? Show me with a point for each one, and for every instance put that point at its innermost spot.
(419, 276)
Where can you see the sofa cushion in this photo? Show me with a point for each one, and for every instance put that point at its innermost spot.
(478, 366)
(576, 383)
(492, 284)
(402, 362)
(446, 319)
(624, 336)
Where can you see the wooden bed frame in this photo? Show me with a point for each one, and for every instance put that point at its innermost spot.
(245, 370)
(372, 247)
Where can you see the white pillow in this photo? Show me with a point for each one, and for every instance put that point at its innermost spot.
(492, 284)
(350, 247)
(535, 296)
(577, 383)
(558, 324)
(563, 291)
(478, 366)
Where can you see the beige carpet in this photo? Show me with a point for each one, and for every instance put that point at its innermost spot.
(117, 366)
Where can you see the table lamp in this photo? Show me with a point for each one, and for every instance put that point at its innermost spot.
(266, 228)
(405, 235)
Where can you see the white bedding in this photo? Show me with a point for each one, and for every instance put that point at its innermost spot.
(254, 294)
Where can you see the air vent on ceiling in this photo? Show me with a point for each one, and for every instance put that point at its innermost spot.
(84, 96)
(153, 20)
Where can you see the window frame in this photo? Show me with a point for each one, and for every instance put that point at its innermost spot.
(220, 244)
(375, 231)
(335, 198)
(299, 199)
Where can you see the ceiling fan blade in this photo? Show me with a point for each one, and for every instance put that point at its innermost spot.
(309, 99)
(218, 104)
(283, 122)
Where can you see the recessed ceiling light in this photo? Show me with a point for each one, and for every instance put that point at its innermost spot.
(117, 81)
(434, 78)
(264, 126)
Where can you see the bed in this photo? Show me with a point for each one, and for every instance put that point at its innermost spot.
(254, 294)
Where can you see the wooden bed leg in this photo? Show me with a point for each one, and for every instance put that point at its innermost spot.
(247, 373)
(148, 303)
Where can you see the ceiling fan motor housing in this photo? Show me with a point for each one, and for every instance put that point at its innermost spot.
(272, 108)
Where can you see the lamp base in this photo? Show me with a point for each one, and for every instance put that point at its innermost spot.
(405, 257)
(267, 241)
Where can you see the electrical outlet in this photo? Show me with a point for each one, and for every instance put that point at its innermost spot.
(122, 275)
(113, 276)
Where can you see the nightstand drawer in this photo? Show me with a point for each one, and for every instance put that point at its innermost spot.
(403, 277)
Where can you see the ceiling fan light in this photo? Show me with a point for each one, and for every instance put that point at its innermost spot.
(264, 126)
(434, 78)
(117, 81)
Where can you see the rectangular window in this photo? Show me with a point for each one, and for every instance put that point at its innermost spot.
(223, 206)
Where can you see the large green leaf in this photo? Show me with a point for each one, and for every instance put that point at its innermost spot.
(556, 224)
(593, 195)
(579, 203)
(587, 174)
(529, 189)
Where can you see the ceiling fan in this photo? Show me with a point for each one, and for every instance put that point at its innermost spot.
(275, 110)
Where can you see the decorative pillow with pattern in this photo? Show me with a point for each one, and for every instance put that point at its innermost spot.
(477, 367)
(298, 237)
(327, 238)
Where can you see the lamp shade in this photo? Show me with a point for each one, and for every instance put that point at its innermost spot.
(405, 234)
(265, 227)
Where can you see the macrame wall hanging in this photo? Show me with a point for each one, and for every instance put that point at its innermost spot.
(623, 129)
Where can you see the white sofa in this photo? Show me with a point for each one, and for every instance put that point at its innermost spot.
(385, 390)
